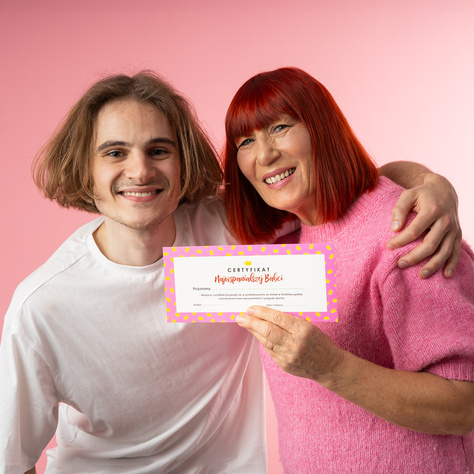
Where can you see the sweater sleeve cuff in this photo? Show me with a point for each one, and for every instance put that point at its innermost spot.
(454, 368)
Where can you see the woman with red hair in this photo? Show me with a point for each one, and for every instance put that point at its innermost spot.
(389, 388)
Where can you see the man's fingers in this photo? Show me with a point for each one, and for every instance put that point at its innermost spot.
(447, 251)
(416, 228)
(454, 258)
(435, 203)
(400, 212)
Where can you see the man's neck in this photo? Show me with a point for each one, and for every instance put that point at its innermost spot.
(139, 248)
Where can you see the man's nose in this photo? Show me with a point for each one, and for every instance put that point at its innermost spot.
(140, 167)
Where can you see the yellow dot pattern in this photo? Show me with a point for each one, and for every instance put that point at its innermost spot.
(169, 253)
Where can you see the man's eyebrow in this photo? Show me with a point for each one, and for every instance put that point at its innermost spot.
(111, 143)
(153, 141)
(157, 141)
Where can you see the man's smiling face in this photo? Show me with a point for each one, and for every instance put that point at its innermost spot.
(136, 167)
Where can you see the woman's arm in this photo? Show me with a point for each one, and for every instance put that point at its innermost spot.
(435, 201)
(418, 401)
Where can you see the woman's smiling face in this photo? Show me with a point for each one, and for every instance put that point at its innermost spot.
(278, 162)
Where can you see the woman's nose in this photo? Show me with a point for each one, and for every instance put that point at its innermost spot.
(266, 151)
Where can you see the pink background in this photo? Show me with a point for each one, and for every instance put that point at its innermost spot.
(401, 70)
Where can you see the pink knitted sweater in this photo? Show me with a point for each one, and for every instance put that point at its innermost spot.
(390, 317)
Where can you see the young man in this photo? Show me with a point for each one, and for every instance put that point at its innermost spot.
(86, 351)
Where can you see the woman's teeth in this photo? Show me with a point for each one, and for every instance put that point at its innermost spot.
(279, 177)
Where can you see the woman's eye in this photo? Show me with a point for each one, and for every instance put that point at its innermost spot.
(280, 127)
(245, 142)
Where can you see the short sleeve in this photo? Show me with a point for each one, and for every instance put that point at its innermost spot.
(430, 323)
(29, 404)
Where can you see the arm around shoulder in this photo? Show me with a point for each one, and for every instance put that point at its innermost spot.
(407, 174)
(435, 201)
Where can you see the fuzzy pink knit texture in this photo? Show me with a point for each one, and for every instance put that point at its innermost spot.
(390, 317)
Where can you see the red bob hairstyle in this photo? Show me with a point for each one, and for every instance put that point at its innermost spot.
(343, 170)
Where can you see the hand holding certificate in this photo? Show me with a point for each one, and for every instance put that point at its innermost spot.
(215, 284)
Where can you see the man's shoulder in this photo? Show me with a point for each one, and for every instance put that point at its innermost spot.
(211, 206)
(202, 223)
(68, 253)
(71, 250)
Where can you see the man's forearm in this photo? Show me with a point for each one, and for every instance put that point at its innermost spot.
(405, 173)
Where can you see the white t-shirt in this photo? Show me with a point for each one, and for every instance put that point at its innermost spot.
(136, 394)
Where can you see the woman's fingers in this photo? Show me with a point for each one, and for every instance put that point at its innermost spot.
(296, 345)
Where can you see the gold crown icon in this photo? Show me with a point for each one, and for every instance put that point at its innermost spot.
(248, 262)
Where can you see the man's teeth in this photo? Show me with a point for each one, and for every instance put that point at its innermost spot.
(279, 177)
(139, 194)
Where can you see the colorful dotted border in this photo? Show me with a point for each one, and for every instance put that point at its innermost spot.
(169, 253)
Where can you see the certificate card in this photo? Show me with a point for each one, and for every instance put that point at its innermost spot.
(216, 283)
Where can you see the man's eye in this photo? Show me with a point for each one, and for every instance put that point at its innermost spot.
(115, 154)
(158, 152)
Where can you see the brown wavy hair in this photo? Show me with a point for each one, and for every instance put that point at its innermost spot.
(62, 167)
